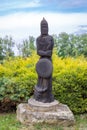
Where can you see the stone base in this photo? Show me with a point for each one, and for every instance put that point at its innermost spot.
(51, 113)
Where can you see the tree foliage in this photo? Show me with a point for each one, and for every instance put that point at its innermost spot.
(25, 48)
(6, 46)
(70, 44)
(65, 45)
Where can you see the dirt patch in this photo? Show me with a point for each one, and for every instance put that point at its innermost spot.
(7, 105)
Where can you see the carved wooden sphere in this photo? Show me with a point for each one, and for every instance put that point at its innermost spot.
(44, 68)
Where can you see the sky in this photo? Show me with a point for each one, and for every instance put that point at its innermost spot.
(21, 18)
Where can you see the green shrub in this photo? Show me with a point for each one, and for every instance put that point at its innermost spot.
(18, 78)
(70, 83)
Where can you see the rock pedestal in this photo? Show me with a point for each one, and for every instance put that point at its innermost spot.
(51, 113)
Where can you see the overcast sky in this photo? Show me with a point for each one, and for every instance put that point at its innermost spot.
(21, 18)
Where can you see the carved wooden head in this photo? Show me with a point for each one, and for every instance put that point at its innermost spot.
(44, 27)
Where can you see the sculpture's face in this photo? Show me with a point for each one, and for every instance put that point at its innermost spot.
(44, 29)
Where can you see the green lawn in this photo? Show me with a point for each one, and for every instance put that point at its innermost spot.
(9, 122)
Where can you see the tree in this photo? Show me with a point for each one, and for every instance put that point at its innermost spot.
(1, 50)
(63, 45)
(55, 37)
(25, 48)
(73, 40)
(83, 45)
(70, 44)
(19, 47)
(6, 46)
(31, 43)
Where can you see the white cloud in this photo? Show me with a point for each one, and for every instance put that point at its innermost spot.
(19, 5)
(21, 25)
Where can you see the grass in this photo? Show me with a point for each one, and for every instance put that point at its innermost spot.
(9, 122)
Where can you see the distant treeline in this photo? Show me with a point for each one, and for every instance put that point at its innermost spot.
(64, 44)
(70, 44)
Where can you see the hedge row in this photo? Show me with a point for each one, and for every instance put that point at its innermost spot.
(18, 78)
(70, 83)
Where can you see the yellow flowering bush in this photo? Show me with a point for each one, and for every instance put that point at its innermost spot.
(70, 82)
(18, 78)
